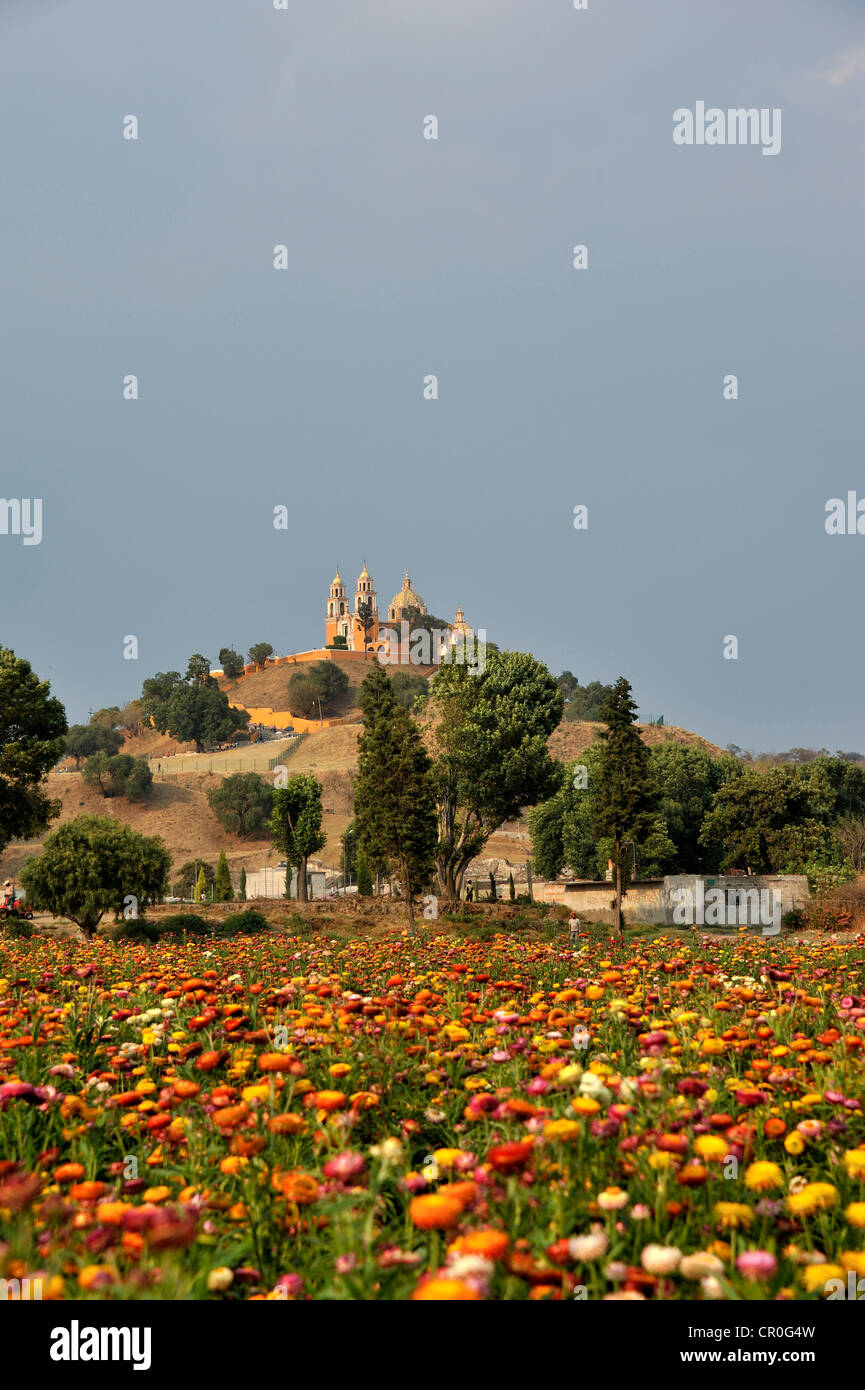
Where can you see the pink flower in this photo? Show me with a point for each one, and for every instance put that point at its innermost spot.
(537, 1086)
(344, 1166)
(756, 1264)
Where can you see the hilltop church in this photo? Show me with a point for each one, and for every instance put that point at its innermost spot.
(344, 626)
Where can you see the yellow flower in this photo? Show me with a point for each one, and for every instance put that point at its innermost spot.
(853, 1259)
(584, 1105)
(731, 1215)
(814, 1196)
(816, 1277)
(794, 1143)
(339, 1069)
(762, 1176)
(854, 1162)
(855, 1213)
(446, 1158)
(260, 1091)
(661, 1160)
(711, 1147)
(570, 1073)
(561, 1129)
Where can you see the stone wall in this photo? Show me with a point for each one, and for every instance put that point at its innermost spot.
(655, 900)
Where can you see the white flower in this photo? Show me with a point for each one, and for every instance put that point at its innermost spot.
(700, 1265)
(471, 1266)
(590, 1247)
(660, 1259)
(711, 1288)
(611, 1200)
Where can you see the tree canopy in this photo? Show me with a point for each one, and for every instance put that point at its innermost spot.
(394, 804)
(295, 824)
(120, 775)
(32, 731)
(487, 733)
(92, 865)
(242, 803)
(83, 740)
(191, 709)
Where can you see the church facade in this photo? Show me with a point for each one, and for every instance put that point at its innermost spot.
(357, 625)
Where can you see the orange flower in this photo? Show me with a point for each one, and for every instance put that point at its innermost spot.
(69, 1172)
(325, 1100)
(186, 1089)
(95, 1276)
(231, 1115)
(692, 1175)
(286, 1124)
(510, 1157)
(87, 1191)
(208, 1060)
(441, 1290)
(434, 1212)
(490, 1244)
(275, 1061)
(300, 1188)
(463, 1192)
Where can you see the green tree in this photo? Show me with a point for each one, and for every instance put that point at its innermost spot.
(157, 693)
(232, 663)
(32, 730)
(107, 718)
(198, 669)
(625, 802)
(92, 865)
(316, 689)
(83, 740)
(488, 736)
(587, 702)
(366, 618)
(201, 886)
(394, 805)
(409, 688)
(259, 653)
(187, 878)
(686, 780)
(201, 714)
(222, 889)
(512, 891)
(348, 848)
(241, 891)
(120, 775)
(242, 803)
(763, 820)
(364, 877)
(303, 696)
(295, 825)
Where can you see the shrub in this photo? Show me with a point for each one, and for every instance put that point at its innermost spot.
(184, 923)
(135, 930)
(794, 920)
(15, 929)
(248, 923)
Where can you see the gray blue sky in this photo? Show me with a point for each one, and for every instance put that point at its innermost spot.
(408, 257)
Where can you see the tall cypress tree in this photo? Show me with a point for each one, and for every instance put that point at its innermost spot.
(394, 805)
(626, 798)
(222, 889)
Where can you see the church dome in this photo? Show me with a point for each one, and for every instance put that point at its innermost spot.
(337, 578)
(407, 598)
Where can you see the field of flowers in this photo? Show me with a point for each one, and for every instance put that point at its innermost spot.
(431, 1117)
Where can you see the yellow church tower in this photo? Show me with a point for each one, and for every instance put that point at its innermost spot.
(341, 622)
